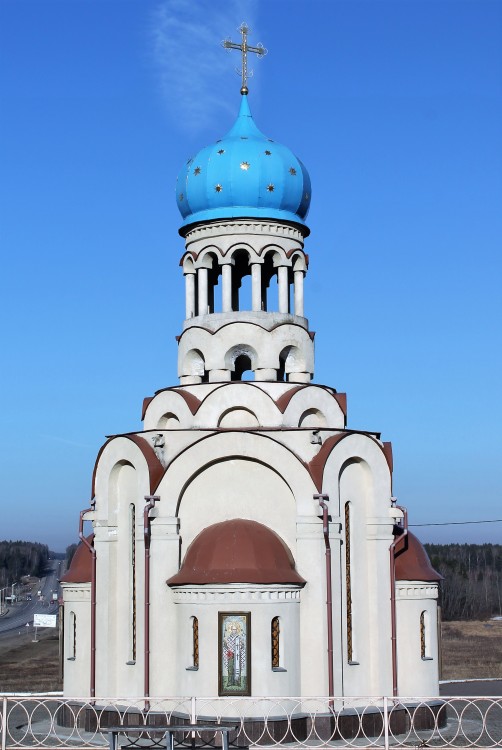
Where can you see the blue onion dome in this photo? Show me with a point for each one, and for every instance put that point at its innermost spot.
(245, 174)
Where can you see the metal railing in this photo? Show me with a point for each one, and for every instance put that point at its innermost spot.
(51, 721)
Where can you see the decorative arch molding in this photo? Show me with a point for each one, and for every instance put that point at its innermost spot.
(279, 254)
(323, 459)
(239, 350)
(130, 449)
(193, 363)
(207, 256)
(299, 261)
(236, 416)
(214, 346)
(312, 397)
(286, 321)
(345, 449)
(246, 247)
(226, 445)
(292, 359)
(169, 401)
(187, 263)
(241, 394)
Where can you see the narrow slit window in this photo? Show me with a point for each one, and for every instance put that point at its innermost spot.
(132, 582)
(73, 636)
(275, 633)
(348, 584)
(195, 642)
(425, 645)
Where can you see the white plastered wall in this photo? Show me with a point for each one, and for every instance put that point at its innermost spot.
(76, 651)
(263, 603)
(417, 675)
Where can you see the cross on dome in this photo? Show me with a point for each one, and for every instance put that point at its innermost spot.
(244, 48)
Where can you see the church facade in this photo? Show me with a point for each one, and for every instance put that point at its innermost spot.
(246, 542)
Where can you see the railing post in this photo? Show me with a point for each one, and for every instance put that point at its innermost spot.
(4, 723)
(386, 722)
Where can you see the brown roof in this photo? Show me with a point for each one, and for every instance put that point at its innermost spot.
(81, 564)
(413, 563)
(237, 551)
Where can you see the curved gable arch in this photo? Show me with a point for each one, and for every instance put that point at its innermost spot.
(225, 446)
(317, 398)
(167, 402)
(125, 449)
(348, 449)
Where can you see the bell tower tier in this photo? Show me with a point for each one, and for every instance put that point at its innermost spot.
(225, 333)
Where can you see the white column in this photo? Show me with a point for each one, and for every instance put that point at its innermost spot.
(189, 295)
(226, 294)
(202, 279)
(256, 286)
(298, 278)
(282, 274)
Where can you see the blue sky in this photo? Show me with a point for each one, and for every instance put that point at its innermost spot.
(395, 106)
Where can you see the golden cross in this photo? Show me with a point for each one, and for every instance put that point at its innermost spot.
(244, 48)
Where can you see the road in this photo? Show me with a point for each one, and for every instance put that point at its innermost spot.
(21, 613)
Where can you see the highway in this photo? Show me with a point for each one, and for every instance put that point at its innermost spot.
(22, 612)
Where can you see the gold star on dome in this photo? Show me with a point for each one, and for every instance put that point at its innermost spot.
(245, 165)
(221, 151)
(196, 170)
(307, 196)
(270, 188)
(181, 196)
(218, 188)
(268, 153)
(292, 170)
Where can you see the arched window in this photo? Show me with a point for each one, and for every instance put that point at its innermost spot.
(275, 642)
(132, 583)
(348, 585)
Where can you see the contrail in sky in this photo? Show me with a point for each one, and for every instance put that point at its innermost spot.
(189, 58)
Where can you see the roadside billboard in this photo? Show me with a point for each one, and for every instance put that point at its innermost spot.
(44, 621)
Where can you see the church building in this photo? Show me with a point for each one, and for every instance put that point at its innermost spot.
(245, 542)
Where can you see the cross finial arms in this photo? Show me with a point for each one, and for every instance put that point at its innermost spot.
(244, 48)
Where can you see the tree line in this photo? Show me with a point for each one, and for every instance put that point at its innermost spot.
(19, 559)
(472, 586)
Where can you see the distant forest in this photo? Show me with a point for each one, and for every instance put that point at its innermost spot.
(19, 559)
(471, 590)
(472, 586)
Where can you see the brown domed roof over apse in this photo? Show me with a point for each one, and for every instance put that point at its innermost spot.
(81, 565)
(237, 551)
(413, 563)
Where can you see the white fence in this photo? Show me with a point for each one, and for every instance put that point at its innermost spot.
(51, 721)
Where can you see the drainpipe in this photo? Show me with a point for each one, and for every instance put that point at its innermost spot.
(400, 540)
(329, 603)
(91, 549)
(151, 500)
